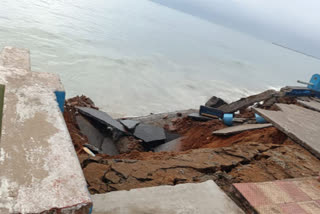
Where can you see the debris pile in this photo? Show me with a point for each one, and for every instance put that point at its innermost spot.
(226, 143)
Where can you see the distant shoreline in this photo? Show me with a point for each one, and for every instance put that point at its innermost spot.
(295, 51)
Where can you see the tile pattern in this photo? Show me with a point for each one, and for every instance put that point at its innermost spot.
(293, 196)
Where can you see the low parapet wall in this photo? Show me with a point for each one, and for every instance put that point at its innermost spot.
(39, 169)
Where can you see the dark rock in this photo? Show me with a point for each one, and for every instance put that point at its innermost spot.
(94, 136)
(198, 117)
(127, 144)
(101, 117)
(215, 102)
(130, 124)
(108, 147)
(151, 135)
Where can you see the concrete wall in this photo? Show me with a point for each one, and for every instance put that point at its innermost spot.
(39, 170)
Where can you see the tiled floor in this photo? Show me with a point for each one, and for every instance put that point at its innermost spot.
(293, 196)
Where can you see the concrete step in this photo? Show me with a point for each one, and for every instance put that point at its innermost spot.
(39, 169)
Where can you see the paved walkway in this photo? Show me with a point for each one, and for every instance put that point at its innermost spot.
(293, 196)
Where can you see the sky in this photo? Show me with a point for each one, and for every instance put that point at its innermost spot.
(291, 23)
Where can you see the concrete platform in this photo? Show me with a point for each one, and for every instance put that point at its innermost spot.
(283, 196)
(241, 128)
(203, 198)
(39, 169)
(300, 124)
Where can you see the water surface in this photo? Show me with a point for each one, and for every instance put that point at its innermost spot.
(137, 57)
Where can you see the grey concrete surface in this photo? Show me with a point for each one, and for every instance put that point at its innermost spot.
(300, 124)
(94, 136)
(108, 147)
(241, 128)
(313, 105)
(39, 169)
(171, 146)
(201, 198)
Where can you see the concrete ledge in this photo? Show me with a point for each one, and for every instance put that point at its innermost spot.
(204, 198)
(40, 171)
(11, 57)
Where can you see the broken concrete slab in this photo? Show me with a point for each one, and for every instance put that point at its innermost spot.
(313, 105)
(215, 102)
(108, 147)
(101, 117)
(40, 171)
(300, 195)
(130, 124)
(94, 136)
(241, 128)
(204, 198)
(300, 124)
(171, 146)
(246, 102)
(151, 135)
(198, 117)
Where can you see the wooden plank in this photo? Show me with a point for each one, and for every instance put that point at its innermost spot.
(246, 102)
(313, 105)
(300, 124)
(241, 128)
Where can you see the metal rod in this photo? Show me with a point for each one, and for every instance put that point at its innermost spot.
(305, 83)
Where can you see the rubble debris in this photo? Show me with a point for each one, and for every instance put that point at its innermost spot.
(215, 102)
(102, 117)
(313, 105)
(246, 102)
(300, 124)
(184, 198)
(94, 136)
(248, 162)
(171, 146)
(130, 124)
(241, 128)
(94, 149)
(151, 135)
(128, 144)
(88, 151)
(210, 112)
(299, 195)
(198, 117)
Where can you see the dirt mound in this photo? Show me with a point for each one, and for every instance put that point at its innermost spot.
(70, 113)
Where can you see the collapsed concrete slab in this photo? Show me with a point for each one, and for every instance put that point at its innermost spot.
(151, 135)
(108, 147)
(241, 128)
(204, 198)
(39, 169)
(198, 117)
(130, 124)
(282, 196)
(300, 124)
(101, 117)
